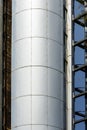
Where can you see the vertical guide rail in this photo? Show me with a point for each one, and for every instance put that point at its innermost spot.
(4, 66)
(69, 65)
(73, 62)
(6, 89)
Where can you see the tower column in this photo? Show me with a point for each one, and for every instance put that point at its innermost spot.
(37, 65)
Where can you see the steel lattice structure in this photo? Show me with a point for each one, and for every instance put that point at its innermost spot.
(79, 69)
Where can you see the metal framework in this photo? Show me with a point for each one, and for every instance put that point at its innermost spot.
(6, 88)
(79, 71)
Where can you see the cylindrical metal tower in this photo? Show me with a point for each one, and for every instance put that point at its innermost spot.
(37, 65)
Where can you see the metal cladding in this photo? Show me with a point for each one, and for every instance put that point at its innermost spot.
(37, 65)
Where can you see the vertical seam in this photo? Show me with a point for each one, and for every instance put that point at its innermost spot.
(31, 64)
(47, 60)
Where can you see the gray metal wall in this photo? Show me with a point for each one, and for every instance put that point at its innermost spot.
(37, 65)
(1, 11)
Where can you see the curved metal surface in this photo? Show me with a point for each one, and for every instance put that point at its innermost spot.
(37, 65)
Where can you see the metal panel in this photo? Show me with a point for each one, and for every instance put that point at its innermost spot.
(22, 23)
(54, 31)
(39, 4)
(24, 57)
(53, 128)
(20, 5)
(28, 127)
(55, 81)
(39, 51)
(54, 114)
(55, 55)
(55, 7)
(39, 23)
(39, 127)
(23, 107)
(21, 82)
(40, 110)
(40, 81)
